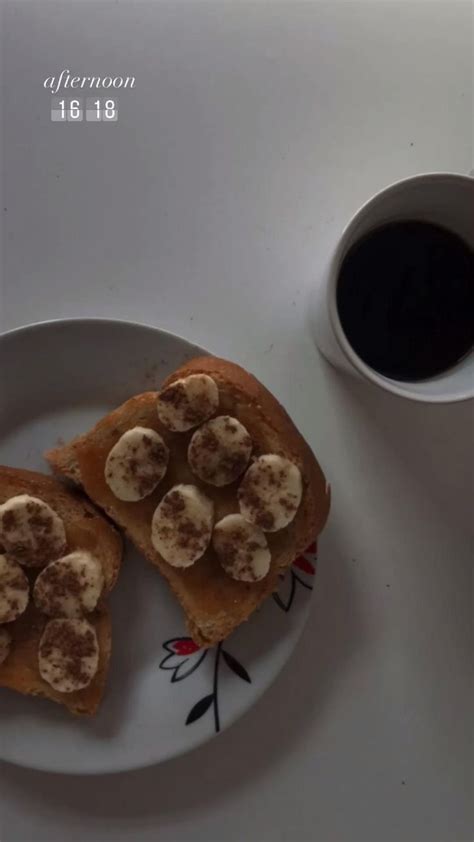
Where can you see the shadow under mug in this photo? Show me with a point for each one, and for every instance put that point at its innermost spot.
(446, 199)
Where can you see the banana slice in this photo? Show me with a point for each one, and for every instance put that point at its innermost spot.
(182, 525)
(30, 531)
(68, 655)
(136, 464)
(187, 402)
(5, 645)
(270, 492)
(219, 450)
(242, 548)
(14, 590)
(70, 586)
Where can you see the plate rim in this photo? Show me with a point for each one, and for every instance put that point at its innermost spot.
(200, 740)
(97, 320)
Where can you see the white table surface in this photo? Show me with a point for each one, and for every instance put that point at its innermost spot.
(254, 131)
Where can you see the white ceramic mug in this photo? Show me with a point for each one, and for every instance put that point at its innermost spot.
(446, 199)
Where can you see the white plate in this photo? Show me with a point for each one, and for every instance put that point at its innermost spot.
(164, 697)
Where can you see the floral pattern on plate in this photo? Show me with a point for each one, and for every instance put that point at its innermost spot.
(183, 656)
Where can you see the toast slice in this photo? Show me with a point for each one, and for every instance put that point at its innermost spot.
(213, 602)
(86, 529)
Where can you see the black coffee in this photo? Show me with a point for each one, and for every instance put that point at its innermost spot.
(405, 296)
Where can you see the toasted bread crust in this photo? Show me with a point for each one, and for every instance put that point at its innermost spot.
(214, 603)
(87, 529)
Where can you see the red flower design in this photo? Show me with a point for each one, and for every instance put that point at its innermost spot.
(304, 565)
(184, 656)
(184, 646)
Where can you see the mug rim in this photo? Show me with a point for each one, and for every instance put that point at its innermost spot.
(400, 388)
